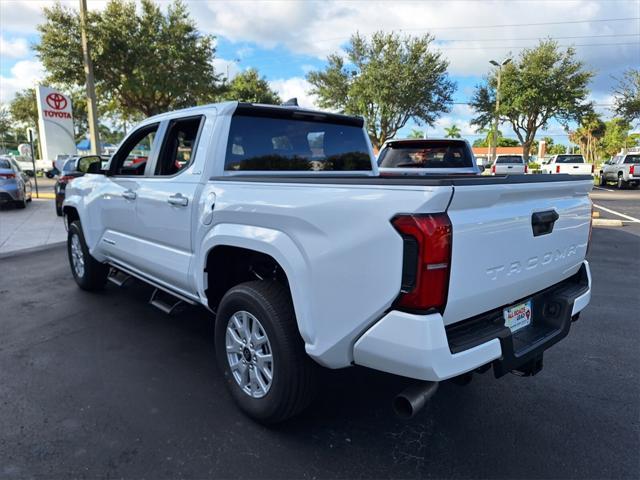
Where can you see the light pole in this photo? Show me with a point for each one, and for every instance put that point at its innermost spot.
(92, 111)
(495, 126)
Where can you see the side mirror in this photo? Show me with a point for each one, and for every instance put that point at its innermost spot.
(95, 167)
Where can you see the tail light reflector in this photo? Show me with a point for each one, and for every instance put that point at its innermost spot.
(7, 175)
(526, 169)
(493, 169)
(631, 169)
(557, 168)
(431, 236)
(66, 178)
(593, 168)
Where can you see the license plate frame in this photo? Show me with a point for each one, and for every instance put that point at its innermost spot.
(518, 316)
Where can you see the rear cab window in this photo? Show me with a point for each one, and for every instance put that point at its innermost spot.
(570, 159)
(272, 139)
(510, 159)
(632, 159)
(426, 154)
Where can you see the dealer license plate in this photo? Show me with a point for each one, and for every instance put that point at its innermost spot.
(518, 316)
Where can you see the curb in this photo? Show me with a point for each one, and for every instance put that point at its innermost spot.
(26, 251)
(605, 222)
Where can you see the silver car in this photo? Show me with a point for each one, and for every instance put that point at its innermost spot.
(622, 169)
(15, 185)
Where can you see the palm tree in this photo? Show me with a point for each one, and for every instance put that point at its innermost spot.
(452, 132)
(416, 133)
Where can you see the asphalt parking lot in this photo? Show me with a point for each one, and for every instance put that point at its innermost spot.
(105, 386)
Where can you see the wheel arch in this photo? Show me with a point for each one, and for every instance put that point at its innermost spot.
(232, 254)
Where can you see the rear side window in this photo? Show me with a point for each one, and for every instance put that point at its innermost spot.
(570, 159)
(5, 163)
(510, 159)
(425, 154)
(264, 143)
(632, 159)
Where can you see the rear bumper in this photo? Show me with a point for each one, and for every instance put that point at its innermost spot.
(421, 347)
(10, 194)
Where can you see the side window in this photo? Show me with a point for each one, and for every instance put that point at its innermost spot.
(132, 157)
(179, 146)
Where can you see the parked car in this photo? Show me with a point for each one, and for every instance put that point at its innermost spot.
(73, 168)
(568, 163)
(427, 156)
(509, 164)
(15, 185)
(275, 218)
(622, 169)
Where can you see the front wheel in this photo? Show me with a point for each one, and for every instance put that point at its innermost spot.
(88, 273)
(261, 354)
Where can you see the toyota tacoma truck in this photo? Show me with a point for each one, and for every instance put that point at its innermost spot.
(276, 220)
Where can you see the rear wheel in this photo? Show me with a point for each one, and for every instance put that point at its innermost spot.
(22, 203)
(261, 354)
(88, 273)
(621, 183)
(603, 181)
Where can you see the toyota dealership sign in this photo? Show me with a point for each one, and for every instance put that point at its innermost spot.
(55, 123)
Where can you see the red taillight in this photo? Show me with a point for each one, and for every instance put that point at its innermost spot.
(631, 169)
(66, 178)
(7, 175)
(593, 168)
(557, 168)
(526, 169)
(493, 169)
(432, 233)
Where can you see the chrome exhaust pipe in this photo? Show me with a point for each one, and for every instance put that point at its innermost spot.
(413, 398)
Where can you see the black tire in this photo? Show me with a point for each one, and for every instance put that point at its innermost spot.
(93, 275)
(603, 182)
(622, 185)
(22, 203)
(58, 209)
(294, 374)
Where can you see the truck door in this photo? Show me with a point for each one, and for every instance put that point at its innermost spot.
(166, 205)
(116, 205)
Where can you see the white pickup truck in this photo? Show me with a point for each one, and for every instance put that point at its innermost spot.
(276, 220)
(567, 163)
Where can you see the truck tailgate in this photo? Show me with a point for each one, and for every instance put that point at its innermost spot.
(575, 168)
(496, 258)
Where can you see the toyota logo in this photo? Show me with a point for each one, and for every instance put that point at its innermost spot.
(56, 101)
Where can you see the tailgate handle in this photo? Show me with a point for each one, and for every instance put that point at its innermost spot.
(542, 222)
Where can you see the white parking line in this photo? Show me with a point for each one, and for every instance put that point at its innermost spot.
(633, 219)
(605, 189)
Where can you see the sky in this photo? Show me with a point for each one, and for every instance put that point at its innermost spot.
(285, 40)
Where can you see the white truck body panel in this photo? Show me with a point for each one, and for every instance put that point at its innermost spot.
(335, 242)
(556, 165)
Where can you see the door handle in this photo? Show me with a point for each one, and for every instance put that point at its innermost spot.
(178, 200)
(129, 194)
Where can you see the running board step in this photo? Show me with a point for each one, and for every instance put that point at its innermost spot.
(118, 277)
(164, 301)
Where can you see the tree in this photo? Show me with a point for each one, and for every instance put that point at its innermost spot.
(544, 83)
(488, 139)
(452, 132)
(627, 93)
(24, 108)
(587, 135)
(248, 86)
(616, 137)
(416, 133)
(145, 62)
(388, 80)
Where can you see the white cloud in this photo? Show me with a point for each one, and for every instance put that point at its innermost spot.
(24, 74)
(17, 48)
(296, 87)
(226, 68)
